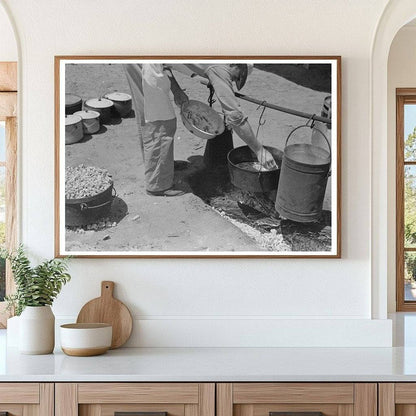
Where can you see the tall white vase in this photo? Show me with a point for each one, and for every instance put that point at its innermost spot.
(37, 330)
(13, 331)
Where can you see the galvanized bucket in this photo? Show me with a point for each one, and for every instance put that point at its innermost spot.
(303, 180)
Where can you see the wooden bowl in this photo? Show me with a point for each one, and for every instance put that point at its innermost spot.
(84, 340)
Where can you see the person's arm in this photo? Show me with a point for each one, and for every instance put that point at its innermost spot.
(246, 133)
(179, 95)
(235, 118)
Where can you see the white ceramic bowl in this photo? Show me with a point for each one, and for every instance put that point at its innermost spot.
(83, 340)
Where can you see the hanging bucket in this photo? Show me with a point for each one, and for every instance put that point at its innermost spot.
(303, 179)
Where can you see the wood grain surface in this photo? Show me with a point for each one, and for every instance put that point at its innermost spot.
(66, 399)
(386, 399)
(110, 393)
(27, 393)
(8, 76)
(8, 105)
(252, 393)
(107, 309)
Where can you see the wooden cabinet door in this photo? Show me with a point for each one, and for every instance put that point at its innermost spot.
(397, 399)
(27, 399)
(297, 399)
(152, 399)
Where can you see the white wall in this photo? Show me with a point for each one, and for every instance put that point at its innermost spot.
(8, 47)
(211, 302)
(401, 74)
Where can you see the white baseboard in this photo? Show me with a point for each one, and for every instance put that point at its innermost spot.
(253, 332)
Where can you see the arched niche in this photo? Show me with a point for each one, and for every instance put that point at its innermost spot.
(396, 14)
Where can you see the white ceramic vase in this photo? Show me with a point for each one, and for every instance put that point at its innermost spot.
(13, 331)
(37, 330)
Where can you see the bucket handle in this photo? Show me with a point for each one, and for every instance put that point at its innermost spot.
(85, 207)
(322, 134)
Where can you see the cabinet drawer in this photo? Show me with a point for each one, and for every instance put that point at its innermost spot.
(22, 399)
(153, 399)
(297, 399)
(397, 399)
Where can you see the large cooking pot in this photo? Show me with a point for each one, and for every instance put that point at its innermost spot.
(248, 179)
(73, 103)
(74, 131)
(122, 102)
(90, 121)
(83, 211)
(201, 120)
(102, 106)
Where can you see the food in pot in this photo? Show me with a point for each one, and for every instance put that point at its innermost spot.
(85, 181)
(253, 167)
(200, 120)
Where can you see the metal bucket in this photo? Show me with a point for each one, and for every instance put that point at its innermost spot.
(303, 179)
(83, 211)
(249, 180)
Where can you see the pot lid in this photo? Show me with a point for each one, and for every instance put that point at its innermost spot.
(87, 114)
(72, 119)
(118, 96)
(72, 99)
(99, 103)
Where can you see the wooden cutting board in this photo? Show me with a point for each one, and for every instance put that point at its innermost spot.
(107, 309)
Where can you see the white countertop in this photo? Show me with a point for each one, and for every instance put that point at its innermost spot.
(213, 364)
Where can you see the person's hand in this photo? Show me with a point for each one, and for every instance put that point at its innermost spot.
(180, 98)
(266, 159)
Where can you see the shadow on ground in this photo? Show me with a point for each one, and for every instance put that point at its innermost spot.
(256, 210)
(119, 210)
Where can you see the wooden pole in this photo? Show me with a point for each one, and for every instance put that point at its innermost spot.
(283, 109)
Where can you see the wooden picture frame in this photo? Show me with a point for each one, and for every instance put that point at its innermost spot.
(296, 86)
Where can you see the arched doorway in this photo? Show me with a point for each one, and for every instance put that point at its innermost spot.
(396, 14)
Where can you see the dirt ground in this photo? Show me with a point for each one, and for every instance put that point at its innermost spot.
(212, 216)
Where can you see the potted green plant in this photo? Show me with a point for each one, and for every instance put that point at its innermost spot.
(36, 289)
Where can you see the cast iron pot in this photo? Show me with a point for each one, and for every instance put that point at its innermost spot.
(102, 106)
(122, 102)
(83, 211)
(247, 180)
(73, 103)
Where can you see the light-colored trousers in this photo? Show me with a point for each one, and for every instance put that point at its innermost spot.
(155, 138)
(158, 154)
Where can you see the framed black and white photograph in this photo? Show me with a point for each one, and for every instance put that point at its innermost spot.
(198, 156)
